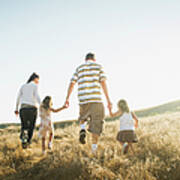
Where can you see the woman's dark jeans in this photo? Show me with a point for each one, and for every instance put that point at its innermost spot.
(28, 118)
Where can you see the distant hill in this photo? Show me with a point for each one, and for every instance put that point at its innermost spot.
(157, 110)
(161, 109)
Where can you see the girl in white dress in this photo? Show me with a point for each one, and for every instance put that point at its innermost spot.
(46, 125)
(128, 122)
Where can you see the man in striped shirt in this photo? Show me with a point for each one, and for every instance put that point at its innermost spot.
(90, 78)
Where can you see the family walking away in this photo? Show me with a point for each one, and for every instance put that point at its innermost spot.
(91, 80)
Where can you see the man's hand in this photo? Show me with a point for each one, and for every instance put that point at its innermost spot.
(136, 125)
(105, 90)
(70, 89)
(16, 113)
(110, 107)
(66, 104)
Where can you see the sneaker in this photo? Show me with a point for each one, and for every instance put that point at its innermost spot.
(24, 139)
(82, 136)
(125, 148)
(50, 145)
(43, 152)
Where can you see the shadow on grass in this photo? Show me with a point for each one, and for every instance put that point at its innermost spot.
(40, 171)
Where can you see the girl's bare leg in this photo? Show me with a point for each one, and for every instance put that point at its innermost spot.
(125, 147)
(50, 137)
(43, 145)
(131, 146)
(50, 141)
(121, 143)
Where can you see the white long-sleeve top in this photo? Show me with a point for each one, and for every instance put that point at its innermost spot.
(28, 94)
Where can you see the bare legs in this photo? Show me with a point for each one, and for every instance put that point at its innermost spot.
(49, 143)
(125, 147)
(43, 145)
(131, 146)
(95, 138)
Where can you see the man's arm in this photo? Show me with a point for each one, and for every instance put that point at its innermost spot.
(105, 90)
(70, 90)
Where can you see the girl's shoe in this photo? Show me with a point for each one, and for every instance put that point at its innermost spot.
(43, 152)
(125, 148)
(50, 145)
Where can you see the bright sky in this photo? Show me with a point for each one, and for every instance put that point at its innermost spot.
(137, 42)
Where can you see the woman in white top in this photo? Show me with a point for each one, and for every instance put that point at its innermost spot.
(27, 99)
(126, 135)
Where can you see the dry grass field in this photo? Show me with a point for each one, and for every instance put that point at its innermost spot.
(157, 154)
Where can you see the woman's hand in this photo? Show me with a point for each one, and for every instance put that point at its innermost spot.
(16, 113)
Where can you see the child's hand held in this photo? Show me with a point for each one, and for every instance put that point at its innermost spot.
(136, 125)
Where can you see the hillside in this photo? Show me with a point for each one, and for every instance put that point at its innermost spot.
(157, 154)
(161, 109)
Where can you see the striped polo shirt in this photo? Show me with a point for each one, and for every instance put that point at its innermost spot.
(88, 76)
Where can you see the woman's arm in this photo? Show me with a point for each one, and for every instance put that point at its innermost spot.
(136, 119)
(18, 101)
(36, 94)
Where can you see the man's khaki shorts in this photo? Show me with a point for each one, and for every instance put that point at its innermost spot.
(94, 113)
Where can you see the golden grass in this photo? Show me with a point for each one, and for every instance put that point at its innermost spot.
(157, 154)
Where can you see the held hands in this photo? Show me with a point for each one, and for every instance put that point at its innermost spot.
(59, 109)
(16, 113)
(110, 108)
(136, 124)
(66, 104)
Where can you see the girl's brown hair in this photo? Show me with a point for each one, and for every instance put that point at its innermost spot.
(122, 104)
(46, 103)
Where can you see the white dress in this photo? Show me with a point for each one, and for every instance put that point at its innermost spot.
(46, 125)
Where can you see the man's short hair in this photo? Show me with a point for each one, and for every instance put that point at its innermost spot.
(90, 56)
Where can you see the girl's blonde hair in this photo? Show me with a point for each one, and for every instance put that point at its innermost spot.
(122, 104)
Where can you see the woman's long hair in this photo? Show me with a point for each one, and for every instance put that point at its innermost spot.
(123, 106)
(32, 77)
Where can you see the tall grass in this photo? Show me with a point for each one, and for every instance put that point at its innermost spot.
(157, 154)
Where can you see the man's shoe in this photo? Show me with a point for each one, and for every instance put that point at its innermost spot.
(82, 136)
(24, 139)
